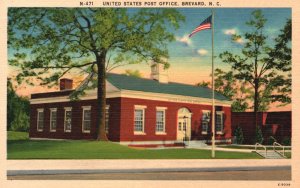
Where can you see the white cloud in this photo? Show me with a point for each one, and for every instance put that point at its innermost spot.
(230, 31)
(202, 52)
(239, 40)
(185, 40)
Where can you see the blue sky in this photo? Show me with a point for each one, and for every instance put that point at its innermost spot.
(192, 57)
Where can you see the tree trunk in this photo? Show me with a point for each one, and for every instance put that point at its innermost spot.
(256, 101)
(101, 98)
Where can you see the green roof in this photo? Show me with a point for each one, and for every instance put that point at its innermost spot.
(148, 85)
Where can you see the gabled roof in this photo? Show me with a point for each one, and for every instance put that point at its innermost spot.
(148, 85)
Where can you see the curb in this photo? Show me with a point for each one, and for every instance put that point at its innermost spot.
(149, 170)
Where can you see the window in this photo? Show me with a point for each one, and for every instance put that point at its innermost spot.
(184, 126)
(139, 118)
(205, 121)
(219, 122)
(53, 117)
(86, 119)
(40, 120)
(107, 119)
(179, 126)
(68, 119)
(160, 119)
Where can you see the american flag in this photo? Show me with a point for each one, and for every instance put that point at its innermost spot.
(206, 24)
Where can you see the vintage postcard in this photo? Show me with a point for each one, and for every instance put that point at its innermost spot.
(149, 93)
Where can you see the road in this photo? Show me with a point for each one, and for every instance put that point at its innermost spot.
(273, 174)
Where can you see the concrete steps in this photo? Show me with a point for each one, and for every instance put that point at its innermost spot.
(270, 154)
(195, 144)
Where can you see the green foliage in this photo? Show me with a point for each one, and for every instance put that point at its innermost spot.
(17, 110)
(61, 39)
(134, 73)
(203, 84)
(12, 135)
(226, 84)
(238, 133)
(271, 140)
(21, 122)
(239, 105)
(287, 141)
(264, 72)
(48, 43)
(258, 136)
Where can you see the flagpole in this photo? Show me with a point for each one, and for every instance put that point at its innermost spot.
(213, 88)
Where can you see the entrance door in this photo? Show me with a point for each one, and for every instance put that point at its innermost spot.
(183, 124)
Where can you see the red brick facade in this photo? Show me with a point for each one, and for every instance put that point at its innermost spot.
(275, 124)
(127, 133)
(76, 132)
(121, 120)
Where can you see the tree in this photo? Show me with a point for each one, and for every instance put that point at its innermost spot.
(91, 40)
(256, 69)
(280, 55)
(203, 84)
(134, 73)
(17, 110)
(227, 85)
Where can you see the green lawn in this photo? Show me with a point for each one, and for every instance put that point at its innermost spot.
(243, 147)
(246, 147)
(288, 155)
(11, 135)
(19, 147)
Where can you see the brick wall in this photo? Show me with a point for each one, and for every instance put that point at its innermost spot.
(121, 120)
(276, 124)
(127, 120)
(76, 131)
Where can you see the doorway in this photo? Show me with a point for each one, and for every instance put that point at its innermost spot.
(183, 124)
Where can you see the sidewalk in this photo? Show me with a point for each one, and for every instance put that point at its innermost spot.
(29, 167)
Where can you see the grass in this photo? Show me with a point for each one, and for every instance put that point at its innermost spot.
(288, 155)
(246, 147)
(20, 147)
(243, 147)
(11, 135)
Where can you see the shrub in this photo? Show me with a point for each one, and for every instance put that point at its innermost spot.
(258, 136)
(271, 140)
(286, 141)
(239, 136)
(21, 122)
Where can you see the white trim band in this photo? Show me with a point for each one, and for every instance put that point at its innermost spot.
(137, 95)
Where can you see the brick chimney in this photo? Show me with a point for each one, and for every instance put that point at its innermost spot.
(65, 84)
(159, 73)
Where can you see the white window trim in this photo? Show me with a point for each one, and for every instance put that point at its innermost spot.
(107, 120)
(86, 107)
(204, 111)
(53, 110)
(162, 109)
(82, 124)
(222, 120)
(139, 107)
(67, 109)
(37, 119)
